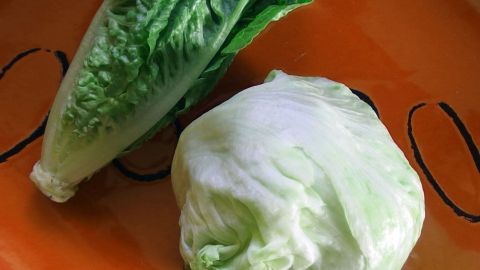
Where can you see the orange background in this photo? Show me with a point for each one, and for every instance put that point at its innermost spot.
(400, 53)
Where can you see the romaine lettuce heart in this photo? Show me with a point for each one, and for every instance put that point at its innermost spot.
(140, 64)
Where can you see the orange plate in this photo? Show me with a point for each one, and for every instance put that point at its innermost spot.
(418, 61)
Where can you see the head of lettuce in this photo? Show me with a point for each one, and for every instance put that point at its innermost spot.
(296, 173)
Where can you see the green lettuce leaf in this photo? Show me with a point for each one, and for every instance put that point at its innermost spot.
(140, 64)
(253, 21)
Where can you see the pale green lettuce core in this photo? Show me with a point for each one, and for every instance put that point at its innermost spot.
(140, 64)
(296, 173)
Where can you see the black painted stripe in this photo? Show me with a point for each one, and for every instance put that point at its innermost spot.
(463, 131)
(178, 128)
(17, 148)
(431, 179)
(39, 130)
(15, 59)
(366, 99)
(147, 177)
(62, 58)
(161, 174)
(23, 143)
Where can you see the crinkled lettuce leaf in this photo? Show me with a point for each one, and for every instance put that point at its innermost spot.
(140, 64)
(253, 21)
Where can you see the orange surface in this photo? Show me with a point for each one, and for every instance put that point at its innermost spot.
(400, 53)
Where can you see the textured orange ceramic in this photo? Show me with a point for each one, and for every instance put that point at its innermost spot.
(418, 61)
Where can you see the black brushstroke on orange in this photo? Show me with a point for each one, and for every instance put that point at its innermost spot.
(431, 179)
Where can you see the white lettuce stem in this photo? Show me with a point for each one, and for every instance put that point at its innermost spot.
(56, 190)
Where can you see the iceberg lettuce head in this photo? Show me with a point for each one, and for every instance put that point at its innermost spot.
(296, 173)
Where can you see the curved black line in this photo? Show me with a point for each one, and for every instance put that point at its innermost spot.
(161, 174)
(178, 128)
(62, 59)
(23, 143)
(472, 147)
(16, 59)
(431, 179)
(366, 99)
